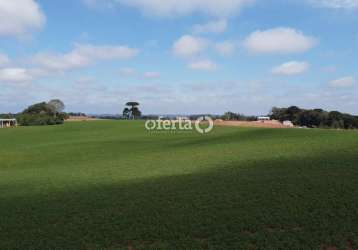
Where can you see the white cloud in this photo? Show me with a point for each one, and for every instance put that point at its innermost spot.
(225, 48)
(205, 65)
(344, 82)
(82, 56)
(336, 4)
(279, 40)
(170, 8)
(291, 68)
(18, 17)
(151, 75)
(188, 46)
(4, 60)
(15, 75)
(218, 26)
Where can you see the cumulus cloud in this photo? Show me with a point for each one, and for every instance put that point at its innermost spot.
(15, 75)
(279, 40)
(188, 46)
(83, 55)
(291, 68)
(225, 48)
(18, 17)
(205, 65)
(45, 64)
(336, 4)
(343, 82)
(170, 8)
(218, 26)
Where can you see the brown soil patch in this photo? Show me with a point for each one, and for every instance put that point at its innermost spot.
(255, 124)
(80, 119)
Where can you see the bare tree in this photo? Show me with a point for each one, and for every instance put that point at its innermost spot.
(57, 105)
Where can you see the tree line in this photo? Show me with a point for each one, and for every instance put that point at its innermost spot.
(52, 113)
(315, 118)
(231, 116)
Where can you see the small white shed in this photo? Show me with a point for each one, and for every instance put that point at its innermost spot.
(263, 118)
(6, 123)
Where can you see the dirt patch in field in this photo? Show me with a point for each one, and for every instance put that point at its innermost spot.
(255, 124)
(80, 119)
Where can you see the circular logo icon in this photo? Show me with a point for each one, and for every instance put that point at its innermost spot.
(150, 125)
(204, 120)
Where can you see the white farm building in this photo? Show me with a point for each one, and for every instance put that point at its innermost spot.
(6, 123)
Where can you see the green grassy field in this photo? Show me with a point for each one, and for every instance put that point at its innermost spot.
(112, 185)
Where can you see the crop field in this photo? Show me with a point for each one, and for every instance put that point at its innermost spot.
(113, 185)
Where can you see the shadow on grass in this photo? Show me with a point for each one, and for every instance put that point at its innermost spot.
(283, 204)
(243, 135)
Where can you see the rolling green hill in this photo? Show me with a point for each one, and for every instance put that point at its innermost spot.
(112, 185)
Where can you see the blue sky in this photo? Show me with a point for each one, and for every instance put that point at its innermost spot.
(197, 56)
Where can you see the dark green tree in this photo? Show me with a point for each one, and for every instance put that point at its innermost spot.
(134, 112)
(126, 113)
(42, 114)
